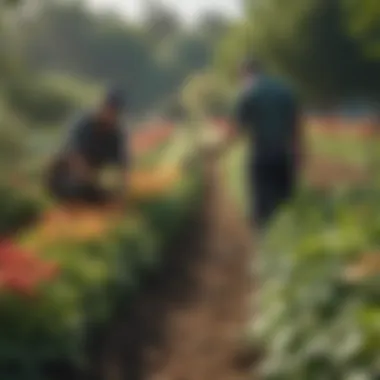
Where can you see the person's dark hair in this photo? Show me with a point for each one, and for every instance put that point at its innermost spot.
(116, 98)
(252, 65)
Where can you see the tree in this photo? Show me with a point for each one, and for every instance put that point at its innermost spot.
(213, 26)
(205, 95)
(151, 60)
(306, 41)
(363, 23)
(160, 22)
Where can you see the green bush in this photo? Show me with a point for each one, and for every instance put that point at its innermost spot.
(52, 326)
(313, 322)
(50, 98)
(39, 103)
(17, 209)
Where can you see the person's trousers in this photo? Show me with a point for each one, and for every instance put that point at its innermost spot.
(272, 183)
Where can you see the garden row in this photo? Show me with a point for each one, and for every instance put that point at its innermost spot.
(71, 272)
(319, 299)
(319, 266)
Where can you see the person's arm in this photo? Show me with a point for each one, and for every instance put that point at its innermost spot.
(239, 122)
(229, 141)
(299, 133)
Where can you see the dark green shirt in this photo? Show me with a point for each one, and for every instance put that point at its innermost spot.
(268, 111)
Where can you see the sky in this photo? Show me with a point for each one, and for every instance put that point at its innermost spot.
(187, 9)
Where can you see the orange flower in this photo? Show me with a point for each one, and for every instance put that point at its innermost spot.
(366, 266)
(150, 138)
(152, 183)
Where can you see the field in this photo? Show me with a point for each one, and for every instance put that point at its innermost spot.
(164, 289)
(319, 266)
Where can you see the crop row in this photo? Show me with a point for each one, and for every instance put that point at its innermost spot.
(73, 269)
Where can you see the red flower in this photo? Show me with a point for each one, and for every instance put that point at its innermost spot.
(150, 138)
(22, 271)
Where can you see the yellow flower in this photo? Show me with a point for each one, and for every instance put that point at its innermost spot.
(145, 184)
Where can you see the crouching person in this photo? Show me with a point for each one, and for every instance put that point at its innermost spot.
(94, 141)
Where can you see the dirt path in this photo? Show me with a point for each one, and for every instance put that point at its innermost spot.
(188, 323)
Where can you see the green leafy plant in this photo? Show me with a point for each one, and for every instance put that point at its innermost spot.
(96, 278)
(17, 209)
(315, 323)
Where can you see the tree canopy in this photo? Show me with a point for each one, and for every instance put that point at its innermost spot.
(322, 46)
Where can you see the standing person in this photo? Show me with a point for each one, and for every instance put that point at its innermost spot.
(95, 140)
(268, 112)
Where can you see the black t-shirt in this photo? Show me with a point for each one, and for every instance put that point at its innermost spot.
(97, 144)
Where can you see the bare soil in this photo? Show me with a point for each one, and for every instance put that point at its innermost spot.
(189, 321)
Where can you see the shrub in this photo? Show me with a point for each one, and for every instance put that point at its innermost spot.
(39, 103)
(50, 98)
(17, 209)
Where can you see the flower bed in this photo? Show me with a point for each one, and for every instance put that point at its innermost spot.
(338, 128)
(57, 280)
(148, 139)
